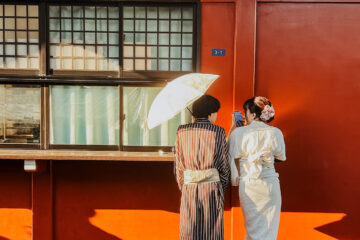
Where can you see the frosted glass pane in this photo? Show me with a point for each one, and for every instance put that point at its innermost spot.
(78, 37)
(79, 64)
(10, 62)
(101, 25)
(163, 52)
(175, 39)
(21, 23)
(102, 65)
(54, 63)
(9, 36)
(54, 24)
(175, 13)
(164, 38)
(140, 38)
(54, 51)
(164, 12)
(21, 50)
(175, 65)
(9, 23)
(1, 63)
(113, 38)
(128, 65)
(102, 51)
(21, 10)
(187, 13)
(113, 51)
(187, 26)
(78, 12)
(33, 50)
(67, 51)
(78, 25)
(129, 38)
(113, 12)
(1, 50)
(128, 25)
(175, 26)
(175, 52)
(140, 25)
(66, 24)
(102, 38)
(90, 37)
(84, 115)
(187, 39)
(90, 64)
(163, 65)
(54, 37)
(186, 65)
(33, 37)
(54, 11)
(65, 11)
(114, 64)
(89, 12)
(1, 22)
(152, 12)
(113, 25)
(34, 63)
(79, 51)
(187, 52)
(9, 10)
(152, 51)
(21, 62)
(128, 12)
(128, 51)
(10, 49)
(151, 25)
(20, 36)
(101, 12)
(152, 38)
(140, 64)
(164, 26)
(140, 12)
(151, 64)
(66, 64)
(90, 25)
(66, 37)
(33, 11)
(90, 51)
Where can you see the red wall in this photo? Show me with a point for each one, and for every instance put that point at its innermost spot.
(304, 57)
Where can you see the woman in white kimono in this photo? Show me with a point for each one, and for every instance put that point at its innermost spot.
(253, 150)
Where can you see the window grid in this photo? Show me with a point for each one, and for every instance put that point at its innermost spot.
(109, 49)
(19, 36)
(174, 58)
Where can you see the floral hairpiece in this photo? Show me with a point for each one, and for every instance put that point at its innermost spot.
(268, 111)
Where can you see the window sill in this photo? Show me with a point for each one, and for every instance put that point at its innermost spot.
(86, 155)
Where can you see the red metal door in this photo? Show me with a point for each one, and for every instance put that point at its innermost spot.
(308, 64)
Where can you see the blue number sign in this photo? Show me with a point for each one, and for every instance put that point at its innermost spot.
(217, 52)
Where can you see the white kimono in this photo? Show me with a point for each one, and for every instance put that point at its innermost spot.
(253, 149)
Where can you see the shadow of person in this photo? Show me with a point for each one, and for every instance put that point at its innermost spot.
(345, 229)
(3, 238)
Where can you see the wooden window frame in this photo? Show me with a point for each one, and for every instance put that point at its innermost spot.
(45, 79)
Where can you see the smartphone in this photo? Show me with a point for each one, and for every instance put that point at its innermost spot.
(238, 118)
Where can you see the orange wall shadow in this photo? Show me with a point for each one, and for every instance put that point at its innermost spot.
(15, 223)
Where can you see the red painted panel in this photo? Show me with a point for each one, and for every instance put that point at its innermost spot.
(15, 201)
(307, 63)
(217, 31)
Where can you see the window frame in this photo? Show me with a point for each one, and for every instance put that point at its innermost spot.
(45, 79)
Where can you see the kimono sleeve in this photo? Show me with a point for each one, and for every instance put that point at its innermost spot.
(234, 151)
(224, 169)
(279, 146)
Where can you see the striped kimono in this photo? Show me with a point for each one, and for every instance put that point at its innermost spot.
(202, 146)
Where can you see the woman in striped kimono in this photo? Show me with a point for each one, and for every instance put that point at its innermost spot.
(202, 172)
(253, 150)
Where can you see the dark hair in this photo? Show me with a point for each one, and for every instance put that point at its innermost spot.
(254, 108)
(205, 106)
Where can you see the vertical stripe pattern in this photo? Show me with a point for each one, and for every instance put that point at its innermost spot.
(200, 146)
